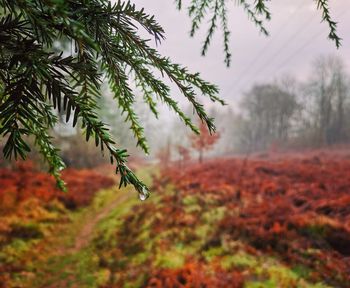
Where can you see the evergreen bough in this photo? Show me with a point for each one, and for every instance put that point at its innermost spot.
(215, 13)
(55, 54)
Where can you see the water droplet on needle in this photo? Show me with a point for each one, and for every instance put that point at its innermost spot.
(143, 195)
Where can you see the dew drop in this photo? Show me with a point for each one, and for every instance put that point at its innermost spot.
(61, 168)
(143, 194)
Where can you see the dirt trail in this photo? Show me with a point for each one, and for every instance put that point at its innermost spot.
(81, 239)
(85, 235)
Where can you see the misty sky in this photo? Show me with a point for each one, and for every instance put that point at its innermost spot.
(296, 38)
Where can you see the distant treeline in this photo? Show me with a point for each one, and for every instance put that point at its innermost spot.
(284, 114)
(288, 114)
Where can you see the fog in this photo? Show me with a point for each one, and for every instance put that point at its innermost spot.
(296, 37)
(272, 86)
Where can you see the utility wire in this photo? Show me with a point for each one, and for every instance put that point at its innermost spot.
(270, 60)
(307, 43)
(258, 55)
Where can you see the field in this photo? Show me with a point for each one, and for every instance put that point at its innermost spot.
(260, 221)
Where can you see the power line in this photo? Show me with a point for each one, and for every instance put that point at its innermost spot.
(307, 43)
(302, 47)
(279, 32)
(270, 60)
(257, 56)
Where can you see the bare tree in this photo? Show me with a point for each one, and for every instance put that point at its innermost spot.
(329, 92)
(268, 110)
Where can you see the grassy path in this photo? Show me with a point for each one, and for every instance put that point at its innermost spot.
(67, 259)
(85, 235)
(67, 256)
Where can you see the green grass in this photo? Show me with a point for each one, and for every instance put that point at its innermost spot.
(63, 266)
(59, 263)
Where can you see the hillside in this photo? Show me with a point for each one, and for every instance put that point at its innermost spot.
(257, 222)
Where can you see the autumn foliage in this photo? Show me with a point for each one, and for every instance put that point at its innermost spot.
(263, 221)
(32, 208)
(195, 275)
(271, 222)
(295, 208)
(25, 182)
(204, 141)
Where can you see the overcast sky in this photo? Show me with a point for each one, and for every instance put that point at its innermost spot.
(296, 38)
